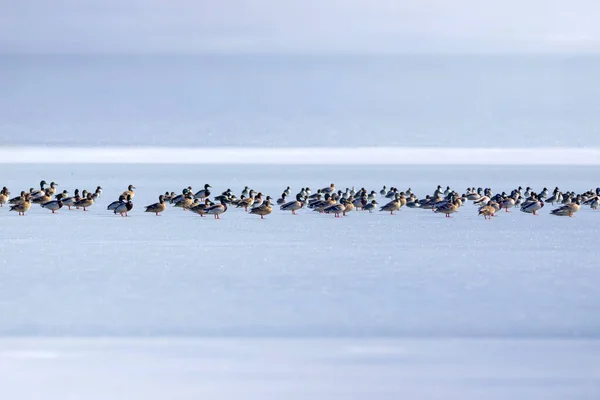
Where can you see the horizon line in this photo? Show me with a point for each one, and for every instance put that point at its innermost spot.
(557, 156)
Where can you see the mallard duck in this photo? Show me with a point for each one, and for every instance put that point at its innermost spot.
(594, 203)
(328, 189)
(392, 206)
(112, 206)
(448, 208)
(70, 201)
(293, 206)
(264, 209)
(371, 207)
(157, 207)
(185, 202)
(287, 191)
(52, 188)
(487, 211)
(246, 202)
(4, 196)
(217, 210)
(201, 208)
(383, 191)
(336, 209)
(204, 193)
(532, 205)
(246, 192)
(62, 195)
(567, 210)
(124, 207)
(53, 205)
(97, 193)
(281, 200)
(40, 191)
(44, 198)
(85, 202)
(349, 206)
(23, 207)
(19, 199)
(258, 200)
(507, 203)
(129, 191)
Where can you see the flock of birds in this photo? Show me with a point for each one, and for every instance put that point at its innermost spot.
(328, 200)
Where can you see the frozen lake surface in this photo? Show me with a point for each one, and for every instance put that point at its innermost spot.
(307, 305)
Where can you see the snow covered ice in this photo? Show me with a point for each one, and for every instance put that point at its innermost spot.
(309, 306)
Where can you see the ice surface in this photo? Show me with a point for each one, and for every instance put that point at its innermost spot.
(509, 307)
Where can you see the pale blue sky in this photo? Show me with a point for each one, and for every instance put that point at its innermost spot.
(344, 26)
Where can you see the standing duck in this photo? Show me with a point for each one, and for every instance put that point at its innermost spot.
(22, 207)
(487, 212)
(568, 209)
(125, 207)
(204, 193)
(53, 205)
(293, 206)
(4, 193)
(392, 206)
(157, 208)
(532, 205)
(217, 210)
(112, 206)
(372, 206)
(70, 201)
(264, 209)
(85, 202)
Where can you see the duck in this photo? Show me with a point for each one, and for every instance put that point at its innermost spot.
(85, 202)
(264, 209)
(19, 199)
(40, 191)
(294, 205)
(129, 191)
(124, 207)
(287, 191)
(52, 188)
(97, 193)
(70, 201)
(567, 210)
(281, 200)
(179, 197)
(247, 202)
(594, 204)
(185, 202)
(507, 203)
(349, 206)
(22, 207)
(112, 206)
(448, 208)
(532, 205)
(217, 210)
(62, 195)
(258, 200)
(329, 189)
(201, 208)
(157, 208)
(246, 192)
(44, 198)
(335, 209)
(204, 193)
(53, 205)
(4, 197)
(392, 206)
(371, 207)
(487, 211)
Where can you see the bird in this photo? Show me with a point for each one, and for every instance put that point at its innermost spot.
(217, 210)
(85, 202)
(294, 205)
(567, 210)
(112, 206)
(157, 208)
(53, 205)
(487, 211)
(393, 205)
(264, 209)
(124, 207)
(129, 191)
(204, 193)
(22, 207)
